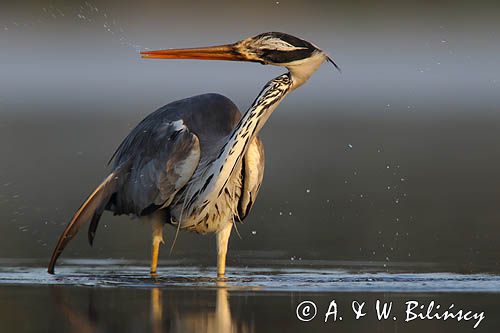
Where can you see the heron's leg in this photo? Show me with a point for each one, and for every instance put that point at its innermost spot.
(222, 241)
(157, 225)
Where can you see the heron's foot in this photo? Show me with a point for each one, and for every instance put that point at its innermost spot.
(153, 275)
(221, 278)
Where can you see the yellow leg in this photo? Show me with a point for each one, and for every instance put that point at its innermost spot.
(157, 225)
(222, 241)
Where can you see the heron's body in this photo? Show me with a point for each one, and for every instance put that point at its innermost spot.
(189, 134)
(198, 163)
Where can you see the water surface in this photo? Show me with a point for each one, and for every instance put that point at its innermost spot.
(120, 296)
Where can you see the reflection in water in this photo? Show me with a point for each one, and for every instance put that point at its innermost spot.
(81, 309)
(205, 318)
(178, 316)
(79, 321)
(156, 309)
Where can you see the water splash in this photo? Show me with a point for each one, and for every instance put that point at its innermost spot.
(87, 13)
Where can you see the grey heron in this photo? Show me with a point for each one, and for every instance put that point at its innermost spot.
(197, 163)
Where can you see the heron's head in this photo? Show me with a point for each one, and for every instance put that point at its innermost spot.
(271, 48)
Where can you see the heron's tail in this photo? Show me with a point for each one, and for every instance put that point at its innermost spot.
(91, 210)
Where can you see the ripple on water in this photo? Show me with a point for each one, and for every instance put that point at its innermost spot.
(121, 274)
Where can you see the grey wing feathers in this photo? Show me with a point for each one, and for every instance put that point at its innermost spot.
(252, 172)
(142, 178)
(91, 209)
(157, 158)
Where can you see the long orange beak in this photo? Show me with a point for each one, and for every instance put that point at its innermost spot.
(220, 52)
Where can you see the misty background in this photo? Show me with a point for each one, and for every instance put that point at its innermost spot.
(395, 161)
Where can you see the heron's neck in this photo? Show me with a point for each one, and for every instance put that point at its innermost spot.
(218, 173)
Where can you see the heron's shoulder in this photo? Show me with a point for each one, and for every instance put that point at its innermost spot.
(207, 114)
(215, 98)
(208, 103)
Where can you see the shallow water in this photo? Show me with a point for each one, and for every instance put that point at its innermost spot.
(121, 273)
(120, 296)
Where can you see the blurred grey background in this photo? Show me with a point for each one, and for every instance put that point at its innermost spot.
(394, 161)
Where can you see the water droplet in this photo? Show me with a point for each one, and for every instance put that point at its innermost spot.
(254, 232)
